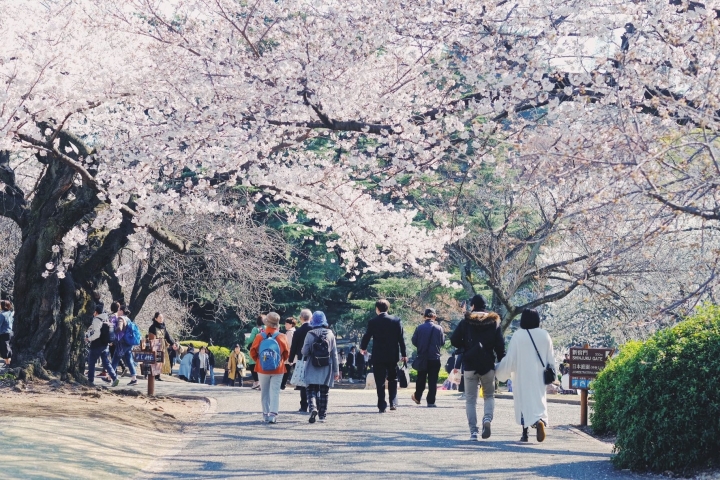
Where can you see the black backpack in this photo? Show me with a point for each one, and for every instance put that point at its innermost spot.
(106, 334)
(320, 351)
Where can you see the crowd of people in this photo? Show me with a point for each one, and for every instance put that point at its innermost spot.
(307, 357)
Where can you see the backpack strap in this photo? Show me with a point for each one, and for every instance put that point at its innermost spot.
(275, 335)
(263, 334)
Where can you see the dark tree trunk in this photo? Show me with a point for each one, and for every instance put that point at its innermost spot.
(52, 314)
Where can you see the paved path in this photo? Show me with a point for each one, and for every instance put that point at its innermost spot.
(413, 442)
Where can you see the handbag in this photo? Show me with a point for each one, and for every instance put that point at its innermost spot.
(403, 376)
(549, 375)
(298, 376)
(420, 362)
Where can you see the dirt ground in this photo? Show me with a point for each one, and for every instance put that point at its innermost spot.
(124, 406)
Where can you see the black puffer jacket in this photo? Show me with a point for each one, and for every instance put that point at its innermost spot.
(481, 339)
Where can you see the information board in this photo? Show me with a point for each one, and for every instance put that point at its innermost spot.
(585, 364)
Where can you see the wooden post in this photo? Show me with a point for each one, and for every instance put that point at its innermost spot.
(583, 407)
(584, 402)
(151, 383)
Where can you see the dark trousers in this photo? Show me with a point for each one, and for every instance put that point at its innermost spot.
(431, 375)
(382, 371)
(303, 398)
(201, 375)
(102, 353)
(253, 372)
(352, 371)
(319, 393)
(286, 375)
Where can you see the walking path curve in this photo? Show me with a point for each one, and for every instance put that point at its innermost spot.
(413, 442)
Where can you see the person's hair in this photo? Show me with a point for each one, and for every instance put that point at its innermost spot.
(290, 320)
(259, 320)
(114, 306)
(478, 303)
(529, 319)
(305, 315)
(237, 345)
(157, 314)
(203, 347)
(273, 317)
(6, 305)
(382, 305)
(352, 348)
(125, 310)
(99, 307)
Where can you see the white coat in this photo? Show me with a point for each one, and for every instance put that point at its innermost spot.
(523, 365)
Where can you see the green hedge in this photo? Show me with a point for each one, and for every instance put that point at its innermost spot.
(442, 376)
(221, 353)
(661, 397)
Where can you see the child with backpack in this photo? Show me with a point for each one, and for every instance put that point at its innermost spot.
(127, 335)
(322, 367)
(270, 350)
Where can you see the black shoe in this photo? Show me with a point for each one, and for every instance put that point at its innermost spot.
(486, 429)
(313, 415)
(382, 410)
(393, 407)
(524, 437)
(105, 379)
(157, 377)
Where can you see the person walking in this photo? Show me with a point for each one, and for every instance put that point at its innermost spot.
(429, 339)
(296, 352)
(123, 346)
(250, 362)
(7, 317)
(289, 333)
(158, 330)
(387, 335)
(270, 350)
(351, 365)
(322, 365)
(211, 366)
(236, 366)
(480, 337)
(98, 336)
(529, 352)
(201, 365)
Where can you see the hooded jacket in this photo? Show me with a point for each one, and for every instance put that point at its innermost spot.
(481, 339)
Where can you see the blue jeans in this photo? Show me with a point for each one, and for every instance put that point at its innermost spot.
(126, 357)
(102, 353)
(211, 376)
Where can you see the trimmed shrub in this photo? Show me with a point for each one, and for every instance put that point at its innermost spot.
(660, 397)
(442, 376)
(221, 355)
(194, 343)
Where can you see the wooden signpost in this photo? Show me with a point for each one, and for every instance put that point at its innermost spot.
(585, 364)
(151, 355)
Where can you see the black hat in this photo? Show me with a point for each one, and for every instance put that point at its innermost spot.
(430, 312)
(478, 303)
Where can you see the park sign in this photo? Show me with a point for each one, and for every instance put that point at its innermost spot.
(586, 363)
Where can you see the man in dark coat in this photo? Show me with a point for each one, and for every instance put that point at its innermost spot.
(480, 337)
(388, 339)
(429, 339)
(298, 340)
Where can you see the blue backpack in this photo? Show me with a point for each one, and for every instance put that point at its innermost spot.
(132, 333)
(269, 357)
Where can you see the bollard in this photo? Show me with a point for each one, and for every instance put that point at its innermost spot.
(583, 408)
(151, 382)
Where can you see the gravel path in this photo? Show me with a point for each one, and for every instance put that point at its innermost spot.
(414, 442)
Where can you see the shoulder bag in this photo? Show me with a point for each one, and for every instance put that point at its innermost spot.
(549, 374)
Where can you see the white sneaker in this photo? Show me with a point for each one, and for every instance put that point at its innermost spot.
(350, 380)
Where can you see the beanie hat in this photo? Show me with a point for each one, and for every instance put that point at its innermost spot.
(318, 320)
(272, 320)
(478, 303)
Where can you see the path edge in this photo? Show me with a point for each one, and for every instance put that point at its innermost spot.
(189, 433)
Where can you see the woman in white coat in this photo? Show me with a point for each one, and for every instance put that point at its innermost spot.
(523, 365)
